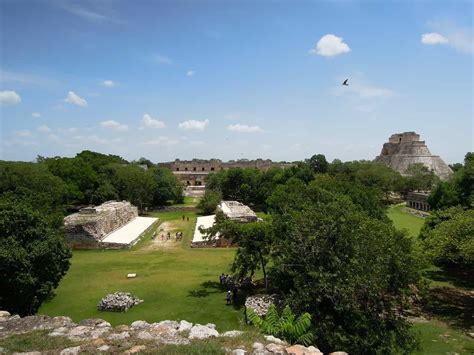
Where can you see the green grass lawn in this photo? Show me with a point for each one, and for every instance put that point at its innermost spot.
(175, 284)
(188, 202)
(438, 338)
(404, 220)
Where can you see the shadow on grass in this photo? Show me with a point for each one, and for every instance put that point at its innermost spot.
(204, 292)
(456, 277)
(453, 305)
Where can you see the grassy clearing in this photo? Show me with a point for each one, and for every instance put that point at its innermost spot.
(404, 220)
(189, 201)
(438, 338)
(178, 283)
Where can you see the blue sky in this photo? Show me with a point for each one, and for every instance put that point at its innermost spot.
(234, 79)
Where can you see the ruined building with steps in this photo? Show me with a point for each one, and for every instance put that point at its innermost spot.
(113, 224)
(405, 149)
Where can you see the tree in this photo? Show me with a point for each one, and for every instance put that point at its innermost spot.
(448, 238)
(209, 202)
(168, 187)
(458, 190)
(135, 185)
(348, 270)
(33, 257)
(318, 163)
(34, 183)
(254, 246)
(144, 161)
(79, 176)
(420, 177)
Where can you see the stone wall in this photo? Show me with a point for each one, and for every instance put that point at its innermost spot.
(89, 226)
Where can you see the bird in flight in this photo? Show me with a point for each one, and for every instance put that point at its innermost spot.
(345, 82)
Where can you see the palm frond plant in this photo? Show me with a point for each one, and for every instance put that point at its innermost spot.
(287, 326)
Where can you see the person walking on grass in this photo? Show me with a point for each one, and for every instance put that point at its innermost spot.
(228, 298)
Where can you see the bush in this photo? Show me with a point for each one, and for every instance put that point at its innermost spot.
(33, 258)
(209, 202)
(287, 326)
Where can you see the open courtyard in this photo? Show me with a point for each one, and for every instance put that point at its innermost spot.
(179, 282)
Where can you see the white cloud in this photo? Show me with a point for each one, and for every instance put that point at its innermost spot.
(68, 130)
(114, 125)
(162, 141)
(194, 125)
(190, 73)
(433, 38)
(455, 36)
(88, 14)
(9, 97)
(96, 139)
(150, 122)
(108, 83)
(330, 45)
(243, 128)
(161, 59)
(36, 114)
(25, 78)
(23, 133)
(44, 129)
(73, 98)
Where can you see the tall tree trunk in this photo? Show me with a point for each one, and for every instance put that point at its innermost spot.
(263, 270)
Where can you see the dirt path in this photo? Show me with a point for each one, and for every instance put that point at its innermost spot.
(160, 242)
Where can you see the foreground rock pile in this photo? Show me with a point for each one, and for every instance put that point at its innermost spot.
(260, 303)
(118, 302)
(98, 336)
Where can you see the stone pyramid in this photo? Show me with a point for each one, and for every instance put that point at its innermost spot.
(405, 149)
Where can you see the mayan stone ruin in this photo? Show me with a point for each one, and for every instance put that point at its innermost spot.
(405, 149)
(87, 228)
(194, 172)
(237, 212)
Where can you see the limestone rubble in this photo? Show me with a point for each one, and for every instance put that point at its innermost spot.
(97, 336)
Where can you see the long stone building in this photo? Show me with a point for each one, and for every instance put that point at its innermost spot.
(405, 149)
(194, 172)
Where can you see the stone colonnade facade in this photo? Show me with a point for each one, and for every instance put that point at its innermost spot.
(194, 172)
(418, 201)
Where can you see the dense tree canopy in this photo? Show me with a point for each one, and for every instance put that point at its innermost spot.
(318, 163)
(35, 184)
(348, 270)
(458, 190)
(448, 237)
(328, 249)
(33, 257)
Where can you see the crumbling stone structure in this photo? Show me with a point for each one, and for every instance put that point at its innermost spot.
(418, 201)
(194, 172)
(87, 228)
(405, 149)
(237, 212)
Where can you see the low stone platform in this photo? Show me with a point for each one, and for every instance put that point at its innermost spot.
(129, 234)
(204, 222)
